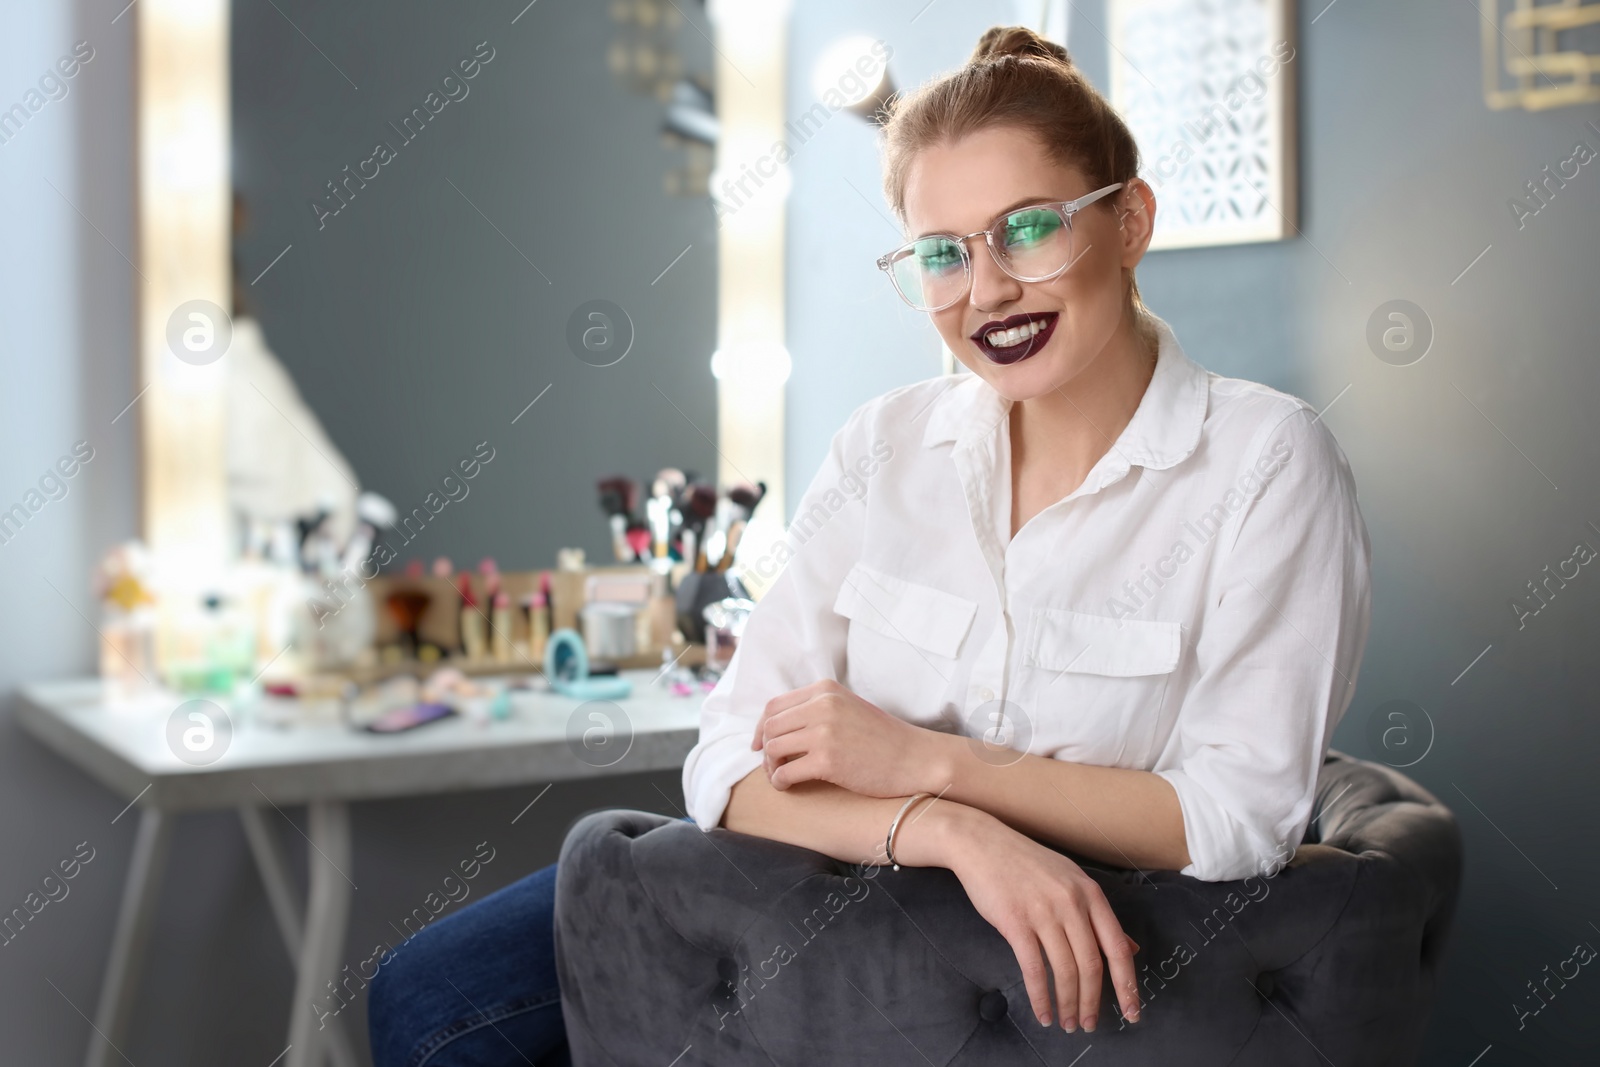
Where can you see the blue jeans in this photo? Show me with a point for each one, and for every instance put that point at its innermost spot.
(475, 989)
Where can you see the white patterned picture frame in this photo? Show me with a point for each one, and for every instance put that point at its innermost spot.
(1208, 89)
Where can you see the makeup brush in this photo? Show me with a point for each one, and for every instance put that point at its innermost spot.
(618, 497)
(619, 538)
(699, 503)
(746, 496)
(662, 515)
(688, 545)
(735, 532)
(669, 482)
(638, 539)
(717, 539)
(658, 513)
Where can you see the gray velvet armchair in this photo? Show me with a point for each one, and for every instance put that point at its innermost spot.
(683, 948)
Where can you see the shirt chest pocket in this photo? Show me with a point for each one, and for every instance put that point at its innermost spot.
(1094, 685)
(903, 640)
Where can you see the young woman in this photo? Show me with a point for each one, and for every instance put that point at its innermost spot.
(1089, 598)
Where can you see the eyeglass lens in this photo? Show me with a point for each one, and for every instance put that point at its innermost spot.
(1031, 243)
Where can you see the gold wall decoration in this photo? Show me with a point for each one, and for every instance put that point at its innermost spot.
(1532, 56)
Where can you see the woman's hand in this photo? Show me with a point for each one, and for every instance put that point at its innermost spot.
(826, 733)
(1054, 916)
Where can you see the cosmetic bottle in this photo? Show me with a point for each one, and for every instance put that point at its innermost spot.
(539, 622)
(489, 571)
(619, 539)
(500, 640)
(473, 643)
(128, 622)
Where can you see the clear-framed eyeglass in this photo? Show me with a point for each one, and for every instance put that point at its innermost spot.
(1033, 243)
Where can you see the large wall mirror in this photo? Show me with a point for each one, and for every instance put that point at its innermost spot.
(463, 235)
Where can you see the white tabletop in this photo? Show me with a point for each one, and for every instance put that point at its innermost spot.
(125, 747)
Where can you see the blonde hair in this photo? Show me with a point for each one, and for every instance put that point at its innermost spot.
(1016, 78)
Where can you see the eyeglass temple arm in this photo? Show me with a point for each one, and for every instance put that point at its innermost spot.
(1089, 198)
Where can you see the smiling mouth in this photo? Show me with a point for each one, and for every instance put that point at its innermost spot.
(1015, 337)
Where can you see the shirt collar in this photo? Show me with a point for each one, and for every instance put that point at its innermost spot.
(1164, 430)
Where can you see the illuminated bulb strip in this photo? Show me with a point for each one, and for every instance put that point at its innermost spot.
(756, 364)
(750, 187)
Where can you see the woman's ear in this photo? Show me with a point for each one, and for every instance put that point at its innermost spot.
(1136, 220)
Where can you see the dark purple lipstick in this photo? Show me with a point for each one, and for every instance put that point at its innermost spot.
(1028, 332)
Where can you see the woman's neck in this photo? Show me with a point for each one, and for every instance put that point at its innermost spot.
(1058, 437)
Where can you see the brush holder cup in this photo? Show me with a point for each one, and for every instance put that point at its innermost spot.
(696, 591)
(725, 620)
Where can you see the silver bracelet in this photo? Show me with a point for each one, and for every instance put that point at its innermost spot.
(888, 844)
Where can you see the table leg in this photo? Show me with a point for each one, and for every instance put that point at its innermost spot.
(329, 909)
(272, 864)
(134, 918)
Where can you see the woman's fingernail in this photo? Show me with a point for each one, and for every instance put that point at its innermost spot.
(1044, 1018)
(1069, 1026)
(1088, 1024)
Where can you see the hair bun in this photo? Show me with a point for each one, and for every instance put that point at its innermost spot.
(998, 42)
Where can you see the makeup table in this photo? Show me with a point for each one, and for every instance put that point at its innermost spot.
(324, 765)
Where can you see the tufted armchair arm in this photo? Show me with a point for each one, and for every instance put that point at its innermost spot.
(680, 947)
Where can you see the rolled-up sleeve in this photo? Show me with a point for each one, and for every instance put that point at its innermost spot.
(1276, 656)
(793, 637)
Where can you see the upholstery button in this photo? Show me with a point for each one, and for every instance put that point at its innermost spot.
(727, 970)
(1265, 984)
(992, 1006)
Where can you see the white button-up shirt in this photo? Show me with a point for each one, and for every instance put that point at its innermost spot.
(1197, 607)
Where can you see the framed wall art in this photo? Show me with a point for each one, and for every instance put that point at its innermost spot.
(1208, 88)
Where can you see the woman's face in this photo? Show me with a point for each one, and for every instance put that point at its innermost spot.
(963, 186)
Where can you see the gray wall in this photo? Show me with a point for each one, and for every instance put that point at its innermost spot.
(412, 327)
(1405, 179)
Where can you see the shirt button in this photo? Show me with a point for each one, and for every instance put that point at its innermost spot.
(986, 694)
